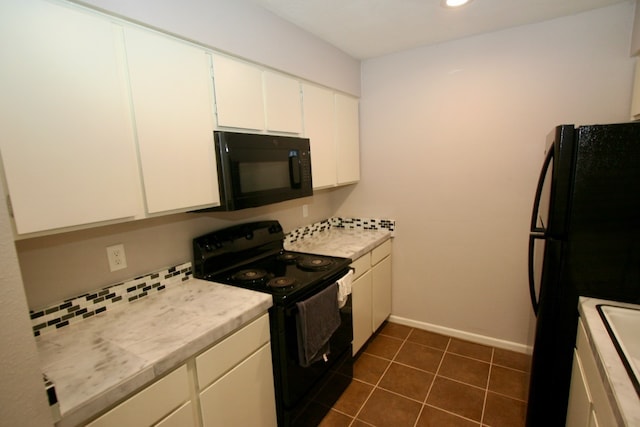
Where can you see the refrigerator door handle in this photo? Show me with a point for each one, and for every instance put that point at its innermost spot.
(538, 197)
(537, 233)
(532, 285)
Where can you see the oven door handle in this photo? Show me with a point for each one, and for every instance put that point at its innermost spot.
(293, 309)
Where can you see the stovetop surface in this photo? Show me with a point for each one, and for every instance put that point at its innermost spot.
(252, 256)
(284, 275)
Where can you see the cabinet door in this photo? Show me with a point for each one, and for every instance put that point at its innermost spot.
(361, 308)
(283, 109)
(347, 139)
(319, 127)
(381, 299)
(244, 396)
(579, 408)
(171, 90)
(238, 93)
(65, 126)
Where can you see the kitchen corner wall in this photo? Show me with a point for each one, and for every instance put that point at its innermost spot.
(452, 140)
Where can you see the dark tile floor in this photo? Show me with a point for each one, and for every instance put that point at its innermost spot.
(410, 377)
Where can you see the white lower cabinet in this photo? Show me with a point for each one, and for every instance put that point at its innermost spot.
(251, 383)
(236, 369)
(381, 286)
(588, 402)
(371, 293)
(152, 404)
(361, 296)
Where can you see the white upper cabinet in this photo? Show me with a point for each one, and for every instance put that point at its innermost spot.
(105, 121)
(319, 127)
(248, 97)
(66, 137)
(331, 123)
(238, 93)
(171, 92)
(282, 103)
(347, 139)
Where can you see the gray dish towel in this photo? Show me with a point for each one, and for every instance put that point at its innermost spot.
(317, 319)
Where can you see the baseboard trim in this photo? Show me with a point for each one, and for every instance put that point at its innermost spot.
(463, 335)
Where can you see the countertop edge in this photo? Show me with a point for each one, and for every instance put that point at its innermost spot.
(622, 396)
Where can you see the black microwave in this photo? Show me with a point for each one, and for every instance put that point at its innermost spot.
(256, 170)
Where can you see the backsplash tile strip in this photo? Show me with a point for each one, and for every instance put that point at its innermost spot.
(338, 222)
(87, 305)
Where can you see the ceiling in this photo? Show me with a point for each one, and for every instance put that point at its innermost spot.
(370, 28)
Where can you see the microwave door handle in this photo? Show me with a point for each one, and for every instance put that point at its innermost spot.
(294, 170)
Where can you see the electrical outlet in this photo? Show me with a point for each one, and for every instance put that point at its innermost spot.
(117, 258)
(305, 211)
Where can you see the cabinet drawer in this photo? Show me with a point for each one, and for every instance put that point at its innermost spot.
(361, 265)
(379, 253)
(213, 363)
(151, 404)
(181, 417)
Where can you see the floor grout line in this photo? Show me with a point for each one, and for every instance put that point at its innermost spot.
(355, 417)
(486, 391)
(435, 375)
(433, 380)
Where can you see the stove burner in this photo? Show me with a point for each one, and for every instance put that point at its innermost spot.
(312, 263)
(250, 275)
(282, 282)
(288, 257)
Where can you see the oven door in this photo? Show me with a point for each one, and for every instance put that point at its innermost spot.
(298, 385)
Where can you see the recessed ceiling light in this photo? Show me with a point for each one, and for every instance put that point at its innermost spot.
(454, 3)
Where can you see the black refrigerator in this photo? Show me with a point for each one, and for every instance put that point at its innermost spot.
(584, 241)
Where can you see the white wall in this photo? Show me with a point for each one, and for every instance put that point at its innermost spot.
(244, 29)
(22, 394)
(452, 138)
(61, 266)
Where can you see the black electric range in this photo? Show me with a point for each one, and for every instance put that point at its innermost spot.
(252, 256)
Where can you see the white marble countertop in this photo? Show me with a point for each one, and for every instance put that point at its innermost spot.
(101, 360)
(341, 242)
(622, 395)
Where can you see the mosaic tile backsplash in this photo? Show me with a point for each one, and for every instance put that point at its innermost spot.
(76, 309)
(337, 222)
(84, 306)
